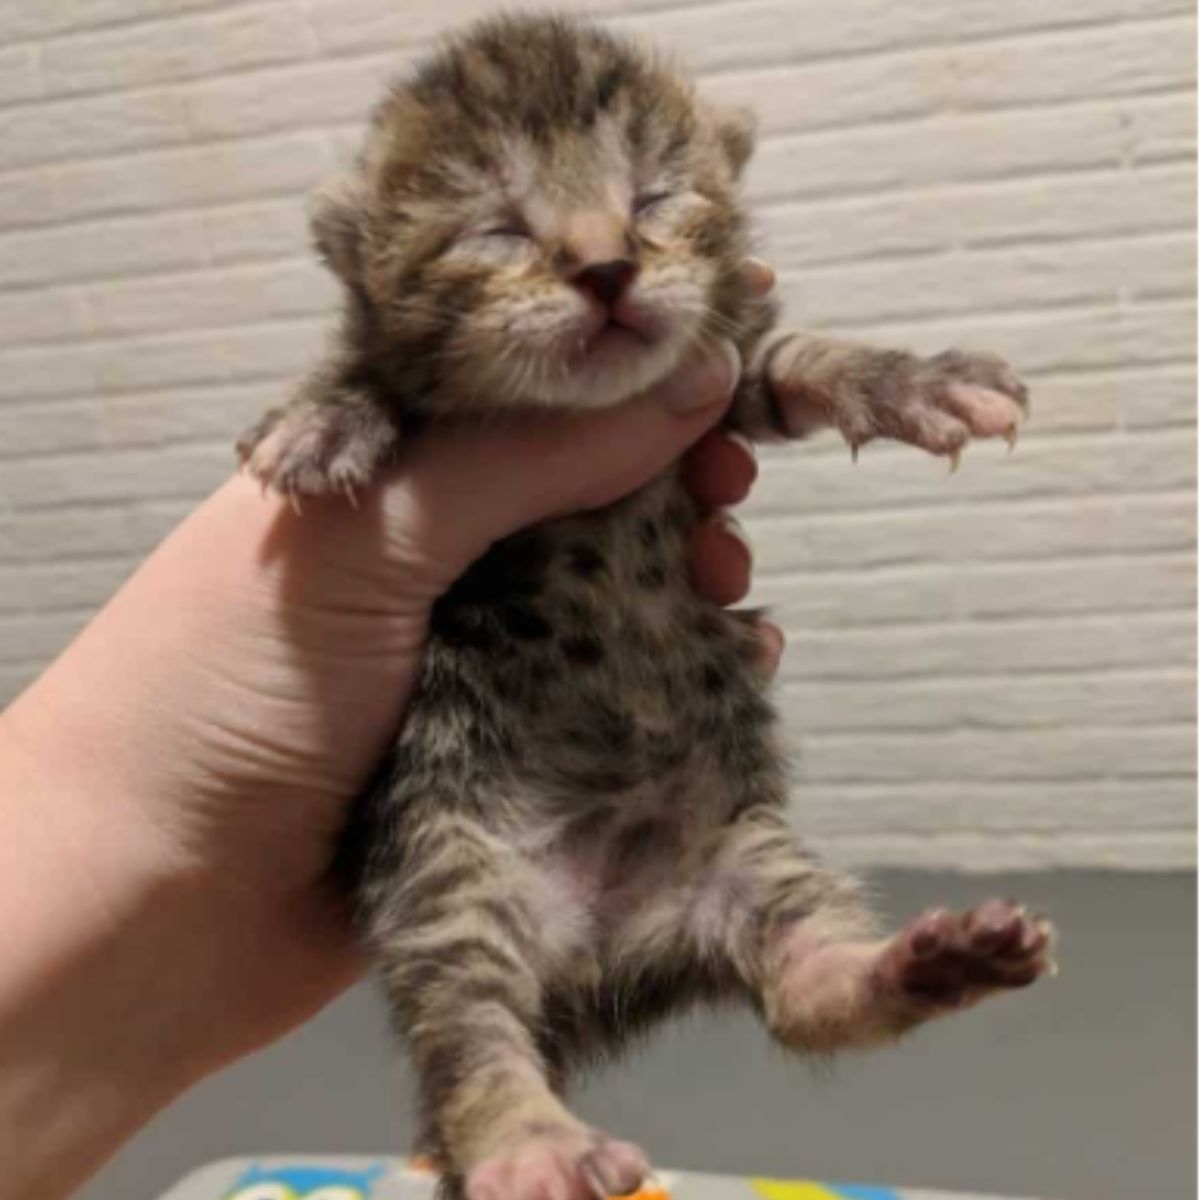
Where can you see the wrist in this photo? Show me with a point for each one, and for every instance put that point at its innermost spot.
(90, 1043)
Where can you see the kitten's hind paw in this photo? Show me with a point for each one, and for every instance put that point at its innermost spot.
(946, 960)
(571, 1165)
(312, 448)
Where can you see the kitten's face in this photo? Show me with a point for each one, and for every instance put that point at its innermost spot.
(585, 280)
(550, 219)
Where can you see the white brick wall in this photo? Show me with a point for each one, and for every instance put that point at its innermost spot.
(992, 670)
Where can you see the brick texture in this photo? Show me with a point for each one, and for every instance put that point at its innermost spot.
(988, 671)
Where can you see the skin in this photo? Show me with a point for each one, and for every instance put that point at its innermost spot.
(172, 785)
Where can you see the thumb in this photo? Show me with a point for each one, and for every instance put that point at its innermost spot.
(466, 487)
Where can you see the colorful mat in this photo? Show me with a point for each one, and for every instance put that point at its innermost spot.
(302, 1177)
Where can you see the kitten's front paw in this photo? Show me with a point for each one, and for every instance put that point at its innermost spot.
(940, 403)
(980, 392)
(310, 449)
(567, 1165)
(937, 404)
(945, 959)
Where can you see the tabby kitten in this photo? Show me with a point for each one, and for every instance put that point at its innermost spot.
(583, 824)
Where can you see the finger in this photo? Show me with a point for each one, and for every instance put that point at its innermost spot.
(720, 469)
(772, 644)
(721, 560)
(758, 276)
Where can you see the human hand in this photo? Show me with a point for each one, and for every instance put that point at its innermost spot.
(186, 763)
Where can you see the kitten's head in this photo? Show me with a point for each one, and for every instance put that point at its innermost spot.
(544, 214)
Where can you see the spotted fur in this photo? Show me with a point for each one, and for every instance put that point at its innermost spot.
(582, 826)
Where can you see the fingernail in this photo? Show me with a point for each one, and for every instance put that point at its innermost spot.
(742, 440)
(701, 384)
(731, 526)
(733, 363)
(772, 644)
(760, 275)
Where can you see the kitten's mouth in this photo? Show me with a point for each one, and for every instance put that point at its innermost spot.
(619, 330)
(614, 334)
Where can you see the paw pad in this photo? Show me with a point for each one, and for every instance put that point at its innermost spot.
(573, 1165)
(947, 958)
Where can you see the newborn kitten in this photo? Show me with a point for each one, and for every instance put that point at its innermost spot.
(583, 824)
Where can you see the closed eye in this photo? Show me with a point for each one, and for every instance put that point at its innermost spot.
(510, 227)
(649, 200)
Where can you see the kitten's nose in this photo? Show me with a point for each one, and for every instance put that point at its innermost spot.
(606, 280)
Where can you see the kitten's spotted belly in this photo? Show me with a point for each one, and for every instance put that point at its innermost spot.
(580, 657)
(624, 713)
(626, 862)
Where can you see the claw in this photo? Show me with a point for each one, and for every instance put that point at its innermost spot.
(1010, 436)
(294, 501)
(955, 457)
(350, 496)
(854, 453)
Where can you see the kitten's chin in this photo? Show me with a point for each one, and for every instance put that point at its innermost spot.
(615, 359)
(599, 366)
(617, 364)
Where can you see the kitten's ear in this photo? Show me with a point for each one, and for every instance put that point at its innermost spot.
(736, 132)
(338, 222)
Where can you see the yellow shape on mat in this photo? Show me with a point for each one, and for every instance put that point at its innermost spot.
(792, 1189)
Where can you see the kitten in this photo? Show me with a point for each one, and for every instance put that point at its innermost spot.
(583, 824)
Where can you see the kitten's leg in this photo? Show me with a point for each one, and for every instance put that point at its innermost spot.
(333, 437)
(800, 383)
(465, 968)
(827, 995)
(794, 934)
